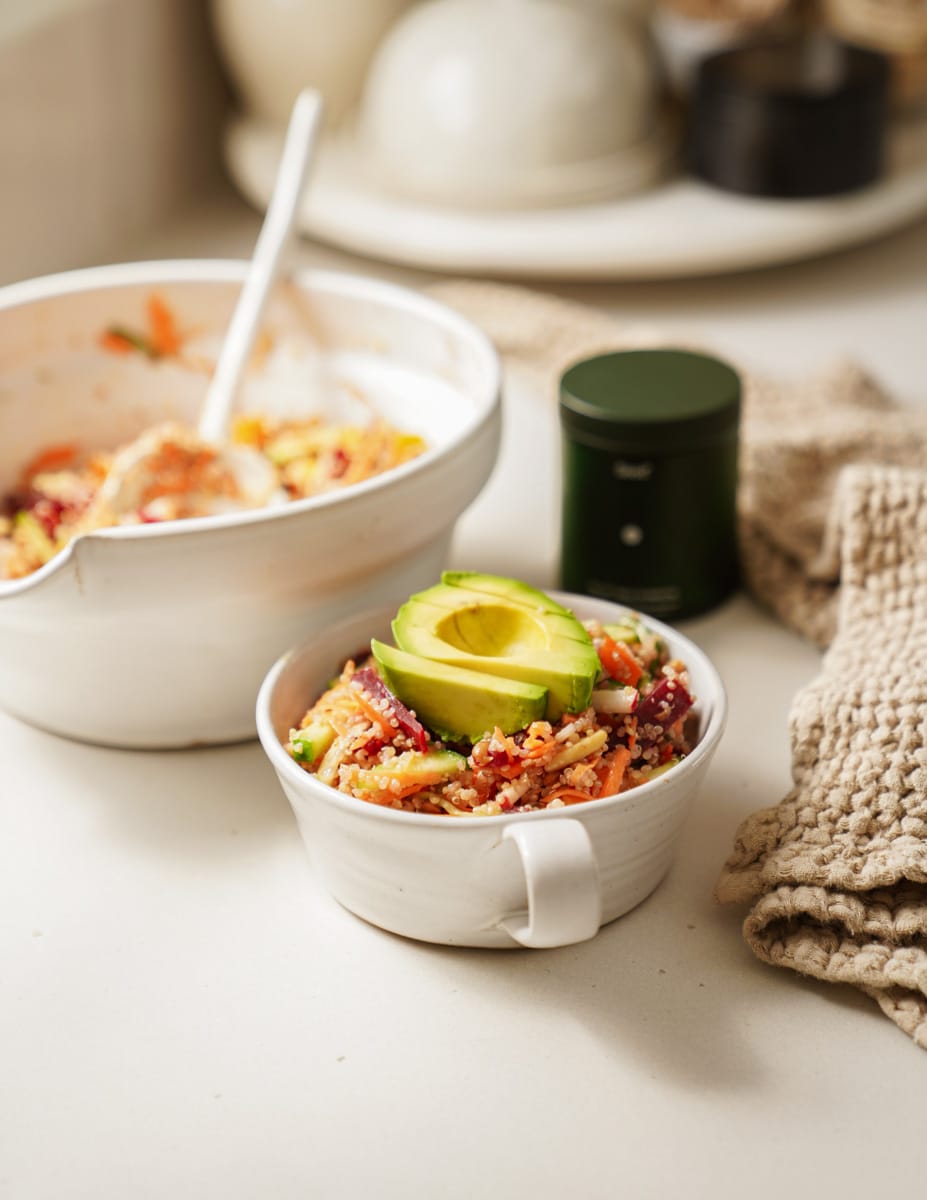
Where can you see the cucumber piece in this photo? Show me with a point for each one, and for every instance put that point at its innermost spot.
(309, 744)
(627, 632)
(415, 766)
(656, 772)
(33, 538)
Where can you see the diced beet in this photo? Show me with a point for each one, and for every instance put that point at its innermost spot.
(45, 509)
(9, 505)
(23, 498)
(499, 758)
(664, 705)
(48, 513)
(371, 682)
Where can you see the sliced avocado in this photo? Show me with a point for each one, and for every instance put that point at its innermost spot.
(457, 703)
(479, 616)
(511, 590)
(509, 640)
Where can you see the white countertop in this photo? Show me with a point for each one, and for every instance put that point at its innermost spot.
(185, 1013)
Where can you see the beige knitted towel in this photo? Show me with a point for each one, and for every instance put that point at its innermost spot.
(833, 501)
(836, 873)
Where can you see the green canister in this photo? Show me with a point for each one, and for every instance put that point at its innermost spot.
(650, 440)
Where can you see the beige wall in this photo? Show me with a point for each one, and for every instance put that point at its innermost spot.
(110, 116)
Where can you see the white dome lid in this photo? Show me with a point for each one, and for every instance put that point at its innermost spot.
(506, 101)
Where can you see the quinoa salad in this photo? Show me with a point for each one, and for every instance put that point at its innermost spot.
(54, 500)
(360, 738)
(58, 493)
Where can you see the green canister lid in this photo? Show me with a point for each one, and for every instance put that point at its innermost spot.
(650, 400)
(650, 442)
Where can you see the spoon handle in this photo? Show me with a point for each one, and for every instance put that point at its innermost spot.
(301, 135)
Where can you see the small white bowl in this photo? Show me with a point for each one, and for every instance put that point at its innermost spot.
(538, 879)
(159, 635)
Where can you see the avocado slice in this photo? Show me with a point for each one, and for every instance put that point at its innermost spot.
(504, 638)
(461, 599)
(511, 590)
(458, 703)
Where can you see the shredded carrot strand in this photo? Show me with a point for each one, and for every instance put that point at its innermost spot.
(50, 459)
(619, 662)
(165, 340)
(407, 787)
(537, 751)
(374, 715)
(569, 795)
(385, 797)
(115, 343)
(614, 775)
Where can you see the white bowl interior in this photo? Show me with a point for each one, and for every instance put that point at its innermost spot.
(193, 611)
(339, 347)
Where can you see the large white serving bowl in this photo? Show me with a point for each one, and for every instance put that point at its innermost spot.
(159, 635)
(540, 879)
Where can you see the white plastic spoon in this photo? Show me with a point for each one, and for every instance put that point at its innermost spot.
(133, 475)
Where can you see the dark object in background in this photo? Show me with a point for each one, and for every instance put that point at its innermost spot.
(650, 441)
(799, 117)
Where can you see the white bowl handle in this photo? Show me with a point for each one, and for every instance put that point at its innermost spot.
(564, 899)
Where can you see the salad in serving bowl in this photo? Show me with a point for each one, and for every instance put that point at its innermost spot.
(497, 699)
(498, 782)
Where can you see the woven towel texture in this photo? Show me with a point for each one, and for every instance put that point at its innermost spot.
(833, 515)
(837, 873)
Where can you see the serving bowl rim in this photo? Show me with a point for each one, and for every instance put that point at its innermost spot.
(220, 270)
(304, 782)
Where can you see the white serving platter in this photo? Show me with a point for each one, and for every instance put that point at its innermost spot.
(680, 228)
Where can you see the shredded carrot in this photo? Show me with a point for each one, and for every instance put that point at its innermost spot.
(374, 715)
(115, 342)
(409, 789)
(165, 340)
(537, 751)
(98, 467)
(619, 662)
(52, 458)
(384, 797)
(614, 774)
(510, 747)
(341, 721)
(569, 795)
